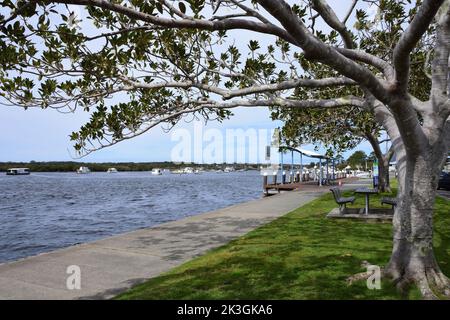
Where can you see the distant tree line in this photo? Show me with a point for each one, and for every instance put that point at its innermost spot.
(358, 159)
(72, 166)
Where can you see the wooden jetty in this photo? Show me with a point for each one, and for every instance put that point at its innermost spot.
(283, 186)
(278, 187)
(304, 185)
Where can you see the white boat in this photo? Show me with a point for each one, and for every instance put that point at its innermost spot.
(188, 170)
(83, 170)
(112, 170)
(156, 172)
(229, 169)
(18, 172)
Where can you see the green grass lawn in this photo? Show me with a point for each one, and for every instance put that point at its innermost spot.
(302, 255)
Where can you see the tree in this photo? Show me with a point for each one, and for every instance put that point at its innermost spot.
(344, 128)
(339, 130)
(357, 160)
(163, 59)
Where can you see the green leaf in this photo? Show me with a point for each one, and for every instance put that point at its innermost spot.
(182, 7)
(159, 7)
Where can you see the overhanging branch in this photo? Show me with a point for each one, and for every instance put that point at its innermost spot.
(257, 89)
(330, 17)
(409, 40)
(316, 49)
(183, 23)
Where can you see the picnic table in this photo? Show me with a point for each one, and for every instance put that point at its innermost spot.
(366, 191)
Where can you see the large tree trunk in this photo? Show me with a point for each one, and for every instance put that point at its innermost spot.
(383, 171)
(412, 260)
(386, 160)
(383, 163)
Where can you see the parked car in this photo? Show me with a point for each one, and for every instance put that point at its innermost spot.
(444, 181)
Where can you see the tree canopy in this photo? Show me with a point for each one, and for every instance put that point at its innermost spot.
(137, 64)
(357, 159)
(344, 128)
(157, 68)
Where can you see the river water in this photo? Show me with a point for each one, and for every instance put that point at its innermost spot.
(46, 211)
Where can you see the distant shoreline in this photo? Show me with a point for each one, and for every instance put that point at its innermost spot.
(72, 166)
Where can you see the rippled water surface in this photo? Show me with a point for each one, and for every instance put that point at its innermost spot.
(45, 211)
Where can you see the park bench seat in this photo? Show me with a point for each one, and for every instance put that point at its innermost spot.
(340, 200)
(389, 200)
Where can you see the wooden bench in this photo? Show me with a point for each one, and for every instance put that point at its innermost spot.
(390, 201)
(340, 200)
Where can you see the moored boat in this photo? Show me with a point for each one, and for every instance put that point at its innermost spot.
(156, 172)
(83, 170)
(229, 169)
(188, 170)
(18, 172)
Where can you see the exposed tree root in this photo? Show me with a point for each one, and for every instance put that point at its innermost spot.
(439, 282)
(357, 277)
(432, 283)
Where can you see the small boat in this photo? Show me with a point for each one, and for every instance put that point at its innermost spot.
(83, 170)
(112, 170)
(156, 172)
(229, 169)
(18, 172)
(188, 170)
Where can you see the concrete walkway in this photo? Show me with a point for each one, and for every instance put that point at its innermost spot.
(112, 265)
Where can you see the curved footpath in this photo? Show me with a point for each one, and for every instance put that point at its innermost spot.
(112, 265)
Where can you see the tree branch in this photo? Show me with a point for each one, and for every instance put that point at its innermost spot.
(329, 16)
(291, 84)
(388, 156)
(228, 94)
(383, 141)
(316, 49)
(191, 23)
(362, 56)
(349, 12)
(375, 145)
(409, 40)
(291, 103)
(440, 63)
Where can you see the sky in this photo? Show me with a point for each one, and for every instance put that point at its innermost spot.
(43, 135)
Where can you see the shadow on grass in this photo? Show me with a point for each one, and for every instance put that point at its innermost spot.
(302, 255)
